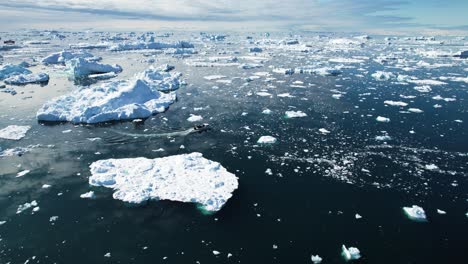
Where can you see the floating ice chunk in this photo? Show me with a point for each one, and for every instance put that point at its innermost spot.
(395, 103)
(316, 259)
(2, 222)
(286, 71)
(427, 82)
(324, 131)
(22, 173)
(10, 70)
(357, 216)
(415, 213)
(383, 138)
(266, 111)
(184, 178)
(337, 96)
(27, 78)
(64, 56)
(264, 94)
(423, 88)
(415, 110)
(26, 206)
(382, 119)
(80, 67)
(151, 45)
(294, 114)
(255, 49)
(214, 77)
(351, 253)
(215, 252)
(383, 76)
(431, 167)
(107, 255)
(117, 100)
(441, 212)
(266, 140)
(14, 132)
(53, 218)
(162, 80)
(46, 186)
(194, 118)
(88, 195)
(247, 66)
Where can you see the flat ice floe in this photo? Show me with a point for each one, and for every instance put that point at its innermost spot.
(117, 100)
(80, 67)
(14, 132)
(63, 56)
(266, 140)
(184, 178)
(295, 114)
(10, 70)
(27, 78)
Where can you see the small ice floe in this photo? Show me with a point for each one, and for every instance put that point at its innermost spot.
(350, 253)
(415, 110)
(80, 67)
(295, 114)
(382, 119)
(214, 77)
(10, 70)
(357, 216)
(88, 195)
(117, 100)
(26, 206)
(247, 66)
(64, 56)
(266, 140)
(194, 118)
(14, 132)
(53, 218)
(337, 96)
(216, 253)
(22, 173)
(264, 94)
(316, 259)
(383, 138)
(431, 167)
(415, 213)
(383, 76)
(255, 49)
(324, 71)
(2, 222)
(23, 79)
(284, 95)
(267, 112)
(46, 186)
(423, 88)
(324, 131)
(107, 255)
(184, 178)
(395, 103)
(441, 212)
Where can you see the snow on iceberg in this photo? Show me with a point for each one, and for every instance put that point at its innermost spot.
(160, 78)
(9, 70)
(64, 56)
(184, 178)
(27, 78)
(415, 213)
(266, 140)
(350, 253)
(14, 132)
(80, 67)
(116, 100)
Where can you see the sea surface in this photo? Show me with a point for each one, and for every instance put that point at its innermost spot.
(296, 198)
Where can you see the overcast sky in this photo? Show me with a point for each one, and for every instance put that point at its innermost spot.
(373, 16)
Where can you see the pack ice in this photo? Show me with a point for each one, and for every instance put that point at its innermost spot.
(184, 178)
(117, 100)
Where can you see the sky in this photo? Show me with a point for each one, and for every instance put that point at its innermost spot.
(367, 16)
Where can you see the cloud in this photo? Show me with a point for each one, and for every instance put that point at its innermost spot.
(335, 15)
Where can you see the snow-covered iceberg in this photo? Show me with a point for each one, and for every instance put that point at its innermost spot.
(80, 67)
(161, 78)
(116, 100)
(185, 178)
(27, 78)
(63, 56)
(415, 213)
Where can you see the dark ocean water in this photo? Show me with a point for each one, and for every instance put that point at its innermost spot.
(306, 206)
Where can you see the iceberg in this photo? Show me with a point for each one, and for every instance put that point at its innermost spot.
(294, 114)
(161, 78)
(415, 213)
(151, 45)
(382, 119)
(395, 103)
(266, 140)
(350, 253)
(64, 56)
(14, 132)
(184, 178)
(80, 67)
(316, 259)
(9, 70)
(22, 79)
(111, 101)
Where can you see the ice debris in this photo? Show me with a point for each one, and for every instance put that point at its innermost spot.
(266, 140)
(415, 213)
(316, 259)
(14, 132)
(295, 114)
(350, 253)
(185, 178)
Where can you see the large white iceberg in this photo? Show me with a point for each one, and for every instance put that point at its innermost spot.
(415, 213)
(9, 70)
(14, 132)
(117, 100)
(185, 178)
(80, 67)
(64, 56)
(27, 78)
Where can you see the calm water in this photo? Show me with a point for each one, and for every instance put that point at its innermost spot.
(318, 182)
